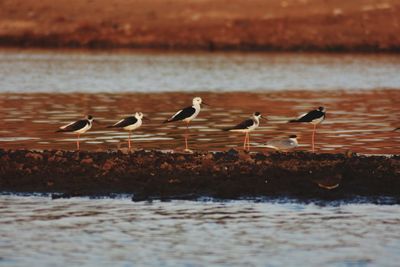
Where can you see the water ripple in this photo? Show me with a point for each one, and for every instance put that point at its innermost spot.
(182, 233)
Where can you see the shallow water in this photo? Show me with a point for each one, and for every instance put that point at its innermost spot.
(119, 83)
(123, 71)
(37, 231)
(359, 121)
(361, 95)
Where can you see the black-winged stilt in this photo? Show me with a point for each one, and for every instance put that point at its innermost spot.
(187, 115)
(314, 117)
(129, 124)
(246, 127)
(284, 144)
(78, 127)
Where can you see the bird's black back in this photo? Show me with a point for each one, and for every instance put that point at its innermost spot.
(75, 126)
(125, 122)
(185, 113)
(310, 116)
(243, 125)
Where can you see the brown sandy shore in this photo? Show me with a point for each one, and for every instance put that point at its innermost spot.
(291, 25)
(226, 175)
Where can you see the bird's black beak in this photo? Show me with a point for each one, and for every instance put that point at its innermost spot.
(264, 118)
(205, 104)
(145, 119)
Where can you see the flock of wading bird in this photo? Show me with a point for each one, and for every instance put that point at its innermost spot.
(187, 114)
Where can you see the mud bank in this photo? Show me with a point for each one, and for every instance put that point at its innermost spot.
(227, 175)
(258, 25)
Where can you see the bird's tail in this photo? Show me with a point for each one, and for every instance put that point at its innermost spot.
(61, 131)
(226, 129)
(110, 126)
(169, 120)
(293, 121)
(396, 129)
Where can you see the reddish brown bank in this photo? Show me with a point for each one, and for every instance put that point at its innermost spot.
(313, 25)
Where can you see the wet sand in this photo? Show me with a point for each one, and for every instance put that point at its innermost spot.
(228, 175)
(296, 25)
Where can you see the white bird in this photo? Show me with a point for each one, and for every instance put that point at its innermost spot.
(187, 115)
(78, 127)
(246, 127)
(285, 144)
(314, 117)
(129, 124)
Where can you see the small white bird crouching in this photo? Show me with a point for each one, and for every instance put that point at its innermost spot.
(284, 145)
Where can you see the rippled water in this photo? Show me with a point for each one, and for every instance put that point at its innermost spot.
(361, 95)
(359, 121)
(122, 71)
(37, 231)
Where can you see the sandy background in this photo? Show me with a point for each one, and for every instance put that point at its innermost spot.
(328, 25)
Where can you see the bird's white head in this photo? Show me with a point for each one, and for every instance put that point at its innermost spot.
(139, 115)
(89, 118)
(197, 101)
(257, 115)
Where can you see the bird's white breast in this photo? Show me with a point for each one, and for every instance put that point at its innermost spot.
(196, 112)
(318, 121)
(134, 126)
(84, 129)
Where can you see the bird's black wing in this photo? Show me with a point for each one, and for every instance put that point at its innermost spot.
(125, 122)
(243, 125)
(74, 126)
(182, 114)
(310, 116)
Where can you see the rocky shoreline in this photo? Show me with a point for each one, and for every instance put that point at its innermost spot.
(225, 175)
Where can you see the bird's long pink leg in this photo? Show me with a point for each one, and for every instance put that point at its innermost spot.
(129, 140)
(313, 137)
(77, 142)
(244, 142)
(248, 142)
(186, 136)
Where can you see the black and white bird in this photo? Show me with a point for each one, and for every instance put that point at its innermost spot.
(246, 127)
(129, 124)
(187, 115)
(285, 144)
(78, 127)
(314, 117)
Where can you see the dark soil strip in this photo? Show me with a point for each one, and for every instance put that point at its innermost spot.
(224, 175)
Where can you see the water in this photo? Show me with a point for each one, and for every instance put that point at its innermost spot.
(37, 231)
(360, 93)
(362, 122)
(113, 85)
(122, 71)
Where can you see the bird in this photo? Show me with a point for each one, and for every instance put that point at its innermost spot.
(246, 127)
(285, 144)
(397, 129)
(129, 124)
(187, 115)
(314, 117)
(79, 127)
